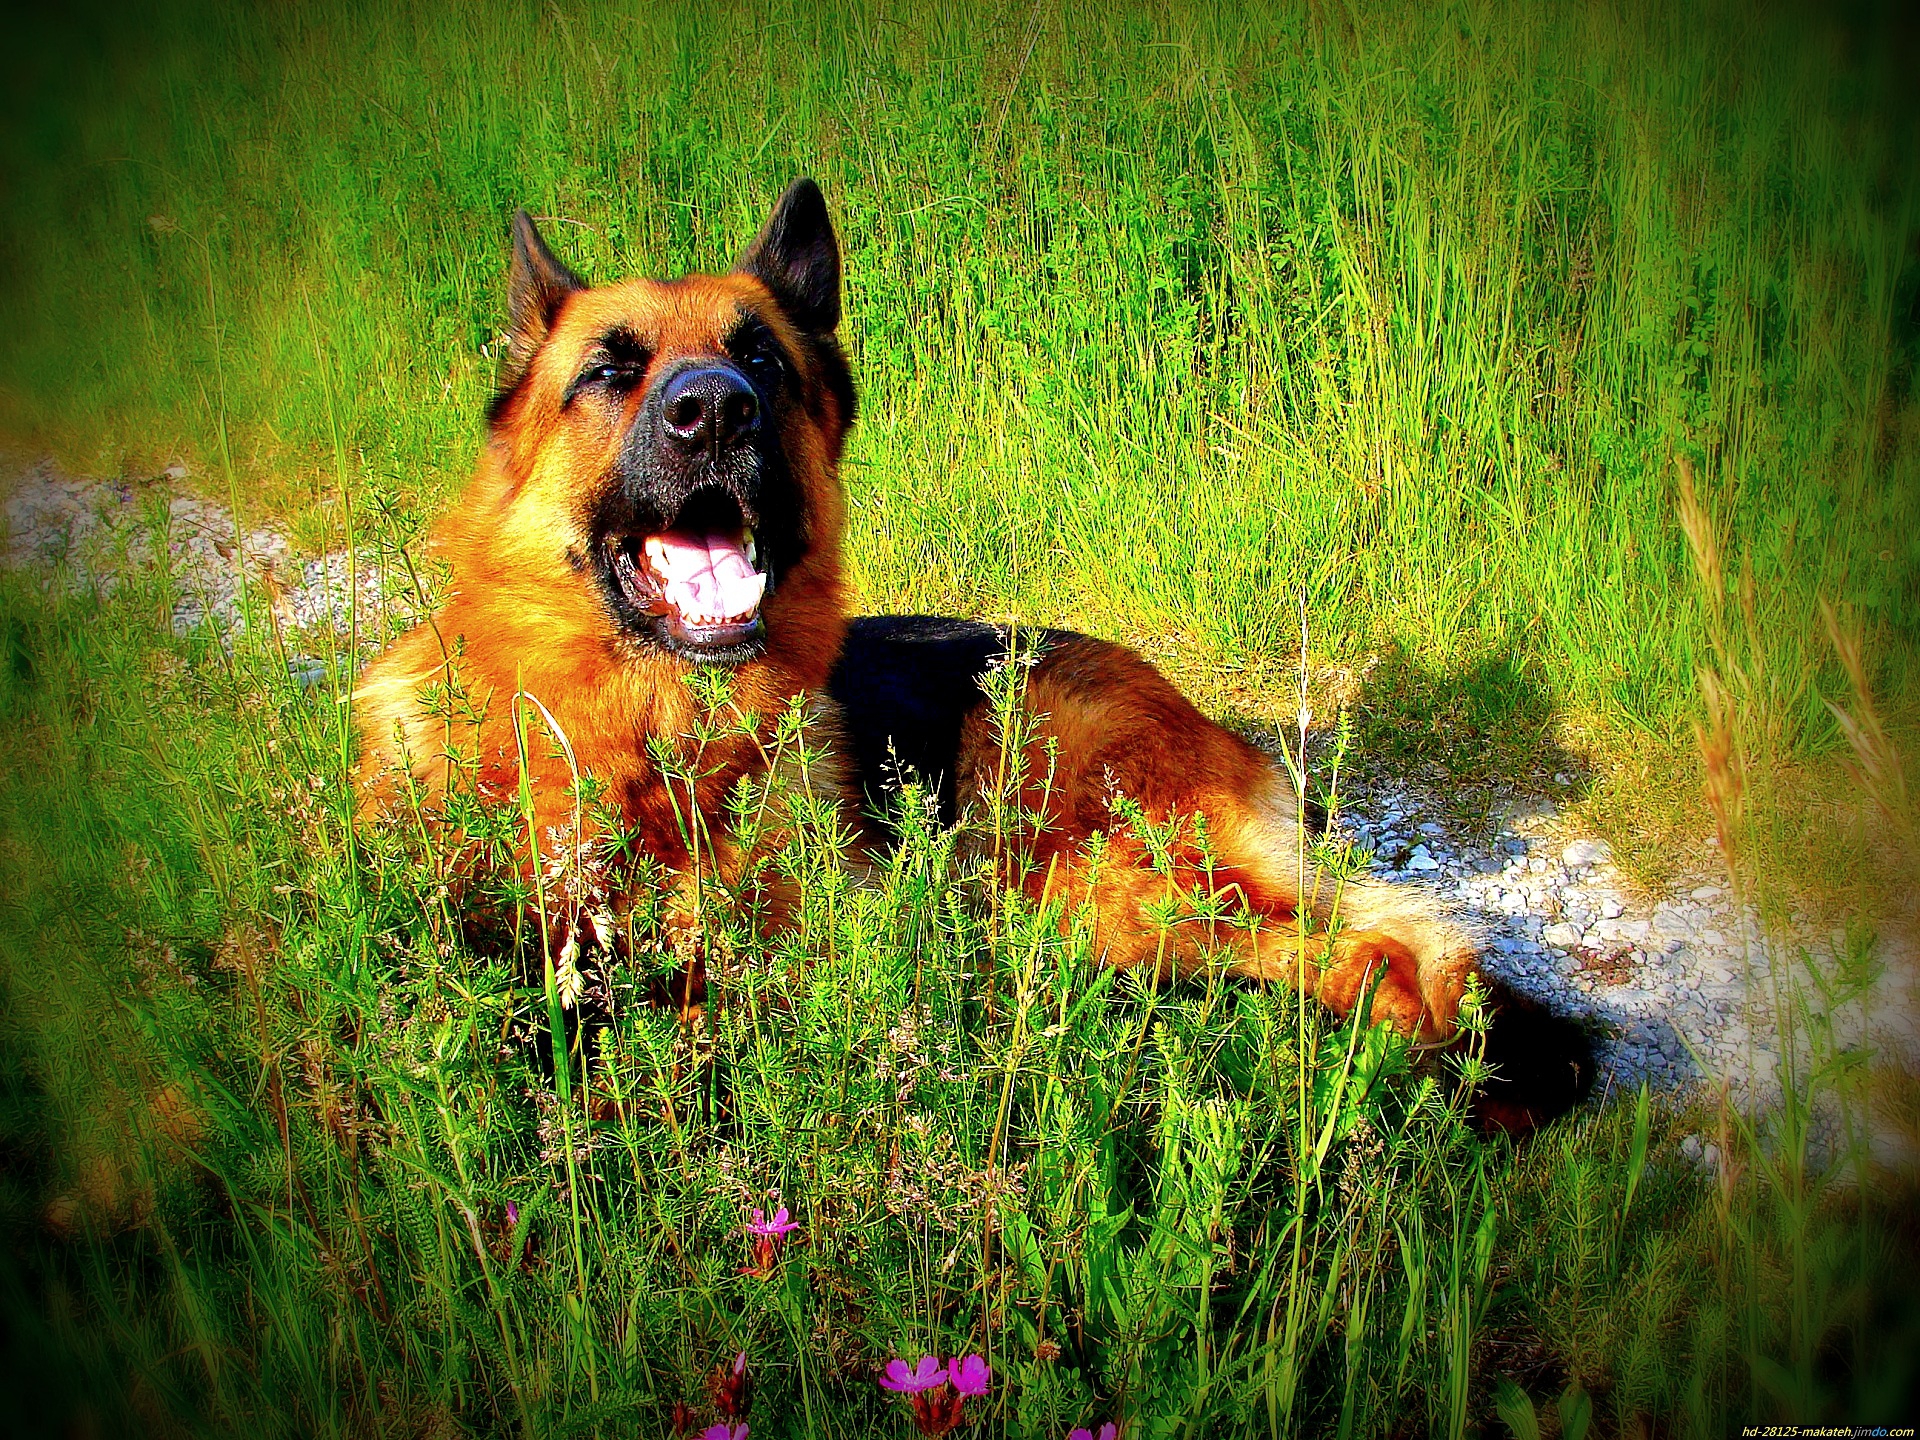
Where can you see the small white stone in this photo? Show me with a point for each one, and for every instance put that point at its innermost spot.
(1611, 909)
(1669, 925)
(1707, 892)
(1429, 828)
(1562, 935)
(1421, 860)
(1586, 852)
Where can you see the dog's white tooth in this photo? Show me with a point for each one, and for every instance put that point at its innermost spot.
(752, 550)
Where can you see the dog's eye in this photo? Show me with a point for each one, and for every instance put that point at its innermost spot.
(615, 375)
(763, 365)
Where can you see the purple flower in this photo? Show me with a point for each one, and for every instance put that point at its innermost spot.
(764, 1240)
(938, 1393)
(1108, 1431)
(724, 1432)
(777, 1228)
(501, 1227)
(968, 1376)
(911, 1382)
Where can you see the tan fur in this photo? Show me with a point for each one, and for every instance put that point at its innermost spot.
(518, 617)
(521, 619)
(1109, 724)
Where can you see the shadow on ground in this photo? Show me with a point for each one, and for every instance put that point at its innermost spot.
(1489, 721)
(1480, 738)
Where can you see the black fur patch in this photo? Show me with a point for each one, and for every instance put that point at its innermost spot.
(1542, 1065)
(905, 685)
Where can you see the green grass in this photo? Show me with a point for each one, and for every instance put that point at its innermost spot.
(1159, 314)
(267, 1110)
(1162, 317)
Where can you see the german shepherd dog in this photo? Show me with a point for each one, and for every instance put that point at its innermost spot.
(660, 492)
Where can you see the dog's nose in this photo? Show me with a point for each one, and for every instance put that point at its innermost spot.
(708, 408)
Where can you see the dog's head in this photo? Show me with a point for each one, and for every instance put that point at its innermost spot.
(678, 441)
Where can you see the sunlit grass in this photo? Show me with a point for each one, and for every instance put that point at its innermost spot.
(1159, 316)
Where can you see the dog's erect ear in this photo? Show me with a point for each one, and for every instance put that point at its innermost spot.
(537, 285)
(797, 257)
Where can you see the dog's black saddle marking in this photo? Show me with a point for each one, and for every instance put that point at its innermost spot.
(905, 685)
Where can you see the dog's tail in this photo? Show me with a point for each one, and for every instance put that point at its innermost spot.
(1542, 1065)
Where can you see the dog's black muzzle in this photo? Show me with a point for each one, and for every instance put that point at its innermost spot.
(702, 460)
(701, 426)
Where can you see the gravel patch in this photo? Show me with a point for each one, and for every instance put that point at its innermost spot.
(92, 535)
(1678, 989)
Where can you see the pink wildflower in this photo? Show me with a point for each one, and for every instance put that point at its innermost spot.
(1108, 1431)
(765, 1240)
(906, 1381)
(778, 1227)
(938, 1393)
(731, 1390)
(969, 1376)
(724, 1431)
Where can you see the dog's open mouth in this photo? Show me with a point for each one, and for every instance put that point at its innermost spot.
(702, 580)
(707, 587)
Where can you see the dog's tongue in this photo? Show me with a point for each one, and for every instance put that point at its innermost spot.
(707, 578)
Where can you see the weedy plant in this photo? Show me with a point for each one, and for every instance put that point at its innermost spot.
(405, 1170)
(375, 1160)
